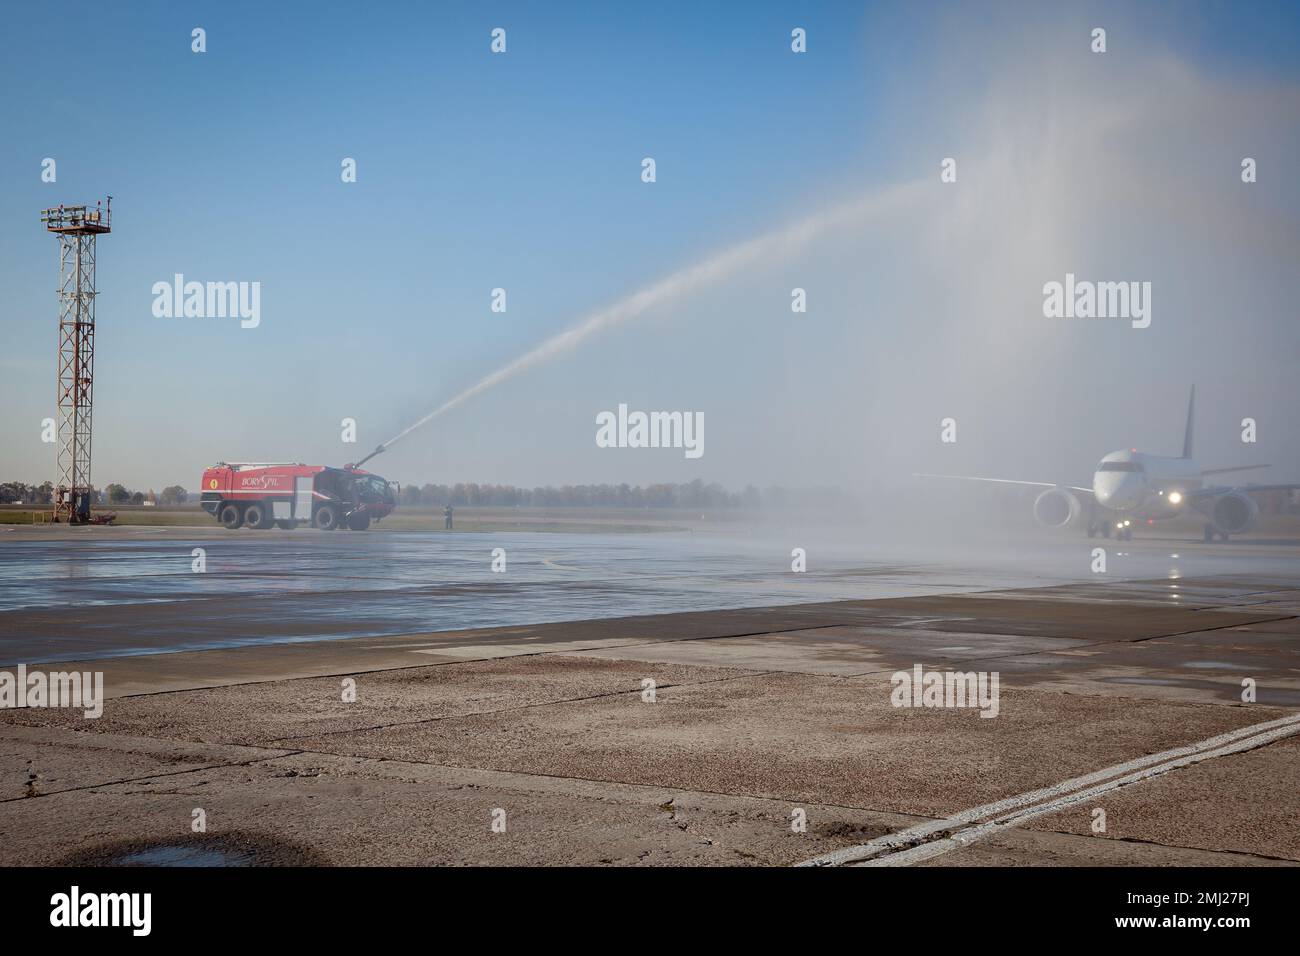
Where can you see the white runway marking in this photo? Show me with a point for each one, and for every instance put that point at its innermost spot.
(911, 845)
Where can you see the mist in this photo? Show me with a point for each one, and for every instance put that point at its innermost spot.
(925, 300)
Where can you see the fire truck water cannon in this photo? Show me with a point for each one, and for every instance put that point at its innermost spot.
(367, 458)
(263, 495)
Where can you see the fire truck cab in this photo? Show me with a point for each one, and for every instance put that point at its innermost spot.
(283, 494)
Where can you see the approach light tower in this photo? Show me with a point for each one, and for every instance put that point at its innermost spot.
(77, 227)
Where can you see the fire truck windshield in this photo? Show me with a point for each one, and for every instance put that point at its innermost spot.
(373, 487)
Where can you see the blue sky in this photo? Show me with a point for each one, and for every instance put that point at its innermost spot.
(474, 171)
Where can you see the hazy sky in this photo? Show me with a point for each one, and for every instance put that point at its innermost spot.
(523, 171)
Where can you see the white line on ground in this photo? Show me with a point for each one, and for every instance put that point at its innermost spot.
(973, 834)
(1010, 811)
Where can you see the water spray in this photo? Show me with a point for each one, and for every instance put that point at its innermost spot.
(780, 242)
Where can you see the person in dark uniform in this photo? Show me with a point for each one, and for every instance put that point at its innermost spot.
(446, 514)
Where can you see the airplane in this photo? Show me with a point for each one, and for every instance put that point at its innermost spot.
(1131, 486)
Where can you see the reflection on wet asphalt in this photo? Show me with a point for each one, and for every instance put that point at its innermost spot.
(262, 588)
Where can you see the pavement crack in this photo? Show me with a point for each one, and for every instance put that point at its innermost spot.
(103, 784)
(520, 707)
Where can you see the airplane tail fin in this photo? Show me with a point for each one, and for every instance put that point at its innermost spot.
(1191, 420)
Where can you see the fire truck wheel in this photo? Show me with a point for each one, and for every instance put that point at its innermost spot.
(231, 517)
(327, 517)
(257, 516)
(359, 522)
(284, 525)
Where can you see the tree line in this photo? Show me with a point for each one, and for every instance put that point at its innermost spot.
(695, 494)
(690, 495)
(16, 492)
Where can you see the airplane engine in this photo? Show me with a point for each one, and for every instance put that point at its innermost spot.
(1057, 508)
(1233, 513)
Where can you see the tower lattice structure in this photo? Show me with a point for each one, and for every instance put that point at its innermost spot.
(77, 228)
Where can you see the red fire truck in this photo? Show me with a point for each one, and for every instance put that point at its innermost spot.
(263, 494)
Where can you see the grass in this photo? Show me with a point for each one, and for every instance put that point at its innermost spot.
(1277, 529)
(565, 520)
(153, 517)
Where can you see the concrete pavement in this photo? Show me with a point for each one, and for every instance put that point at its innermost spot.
(758, 717)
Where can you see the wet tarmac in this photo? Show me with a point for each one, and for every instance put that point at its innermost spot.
(112, 592)
(522, 692)
(1123, 695)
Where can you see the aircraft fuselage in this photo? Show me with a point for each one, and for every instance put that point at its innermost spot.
(1148, 486)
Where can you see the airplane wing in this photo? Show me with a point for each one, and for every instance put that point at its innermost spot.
(1225, 489)
(1009, 481)
(1224, 471)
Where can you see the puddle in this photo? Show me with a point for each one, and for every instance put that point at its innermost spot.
(183, 856)
(227, 850)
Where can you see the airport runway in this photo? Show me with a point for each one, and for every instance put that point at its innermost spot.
(1120, 694)
(102, 592)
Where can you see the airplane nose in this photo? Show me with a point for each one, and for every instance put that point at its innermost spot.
(1125, 493)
